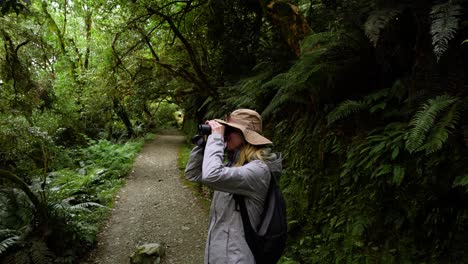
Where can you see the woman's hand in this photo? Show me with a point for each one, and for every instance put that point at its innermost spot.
(216, 128)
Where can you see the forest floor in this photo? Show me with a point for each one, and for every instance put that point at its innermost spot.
(154, 206)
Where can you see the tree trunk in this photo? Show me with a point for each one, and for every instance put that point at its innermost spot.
(122, 114)
(292, 25)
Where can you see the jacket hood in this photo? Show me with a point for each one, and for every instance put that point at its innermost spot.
(274, 162)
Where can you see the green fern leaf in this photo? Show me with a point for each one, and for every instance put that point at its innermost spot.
(22, 256)
(444, 26)
(461, 181)
(40, 253)
(424, 120)
(398, 175)
(345, 109)
(377, 21)
(304, 76)
(440, 132)
(84, 206)
(7, 243)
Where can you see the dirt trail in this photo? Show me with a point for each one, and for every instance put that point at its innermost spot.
(154, 206)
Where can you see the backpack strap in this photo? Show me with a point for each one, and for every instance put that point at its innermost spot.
(249, 232)
(265, 217)
(268, 208)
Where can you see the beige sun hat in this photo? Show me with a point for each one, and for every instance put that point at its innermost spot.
(250, 123)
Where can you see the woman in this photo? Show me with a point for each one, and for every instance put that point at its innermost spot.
(247, 173)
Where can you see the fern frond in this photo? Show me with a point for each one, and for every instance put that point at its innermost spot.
(297, 81)
(8, 233)
(377, 21)
(444, 26)
(424, 120)
(345, 109)
(22, 256)
(5, 244)
(461, 180)
(40, 253)
(314, 41)
(440, 132)
(84, 206)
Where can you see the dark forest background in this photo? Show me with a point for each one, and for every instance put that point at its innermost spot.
(365, 99)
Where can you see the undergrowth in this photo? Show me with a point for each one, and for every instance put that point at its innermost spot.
(78, 200)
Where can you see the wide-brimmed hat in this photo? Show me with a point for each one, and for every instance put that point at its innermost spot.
(249, 122)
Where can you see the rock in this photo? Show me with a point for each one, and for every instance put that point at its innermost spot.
(148, 254)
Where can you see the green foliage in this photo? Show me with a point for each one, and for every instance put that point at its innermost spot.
(74, 204)
(444, 25)
(427, 121)
(462, 181)
(376, 102)
(302, 82)
(377, 21)
(344, 110)
(8, 238)
(164, 114)
(14, 5)
(374, 141)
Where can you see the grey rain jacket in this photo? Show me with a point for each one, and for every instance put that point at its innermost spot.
(226, 243)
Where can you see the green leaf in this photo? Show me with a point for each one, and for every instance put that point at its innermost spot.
(398, 175)
(378, 148)
(461, 181)
(395, 152)
(383, 169)
(377, 107)
(424, 120)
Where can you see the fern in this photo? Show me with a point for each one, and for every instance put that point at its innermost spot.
(372, 102)
(440, 132)
(84, 206)
(40, 253)
(345, 109)
(8, 242)
(461, 181)
(298, 81)
(377, 21)
(424, 120)
(444, 26)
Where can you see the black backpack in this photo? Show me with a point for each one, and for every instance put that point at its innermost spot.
(268, 243)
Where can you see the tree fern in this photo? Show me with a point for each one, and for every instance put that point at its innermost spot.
(444, 26)
(345, 109)
(377, 21)
(424, 120)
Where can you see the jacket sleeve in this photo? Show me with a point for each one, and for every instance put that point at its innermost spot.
(193, 169)
(250, 180)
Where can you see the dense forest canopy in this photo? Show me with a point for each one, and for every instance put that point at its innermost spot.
(365, 99)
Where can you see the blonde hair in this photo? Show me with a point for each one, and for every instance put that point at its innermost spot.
(250, 152)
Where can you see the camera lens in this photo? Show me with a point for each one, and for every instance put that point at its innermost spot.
(204, 129)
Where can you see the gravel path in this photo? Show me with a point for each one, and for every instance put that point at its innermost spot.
(154, 206)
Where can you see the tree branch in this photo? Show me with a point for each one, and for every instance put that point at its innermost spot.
(204, 84)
